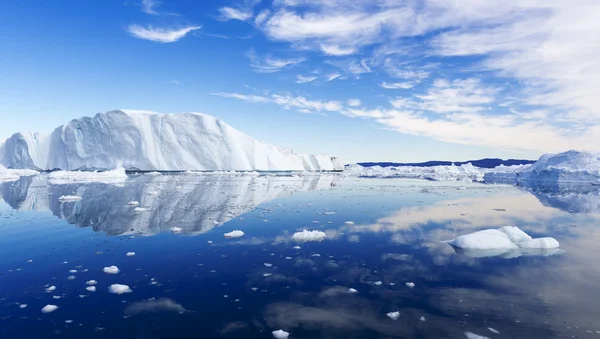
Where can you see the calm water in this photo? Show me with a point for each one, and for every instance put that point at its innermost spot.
(198, 284)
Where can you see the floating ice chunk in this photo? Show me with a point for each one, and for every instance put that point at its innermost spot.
(280, 334)
(471, 335)
(422, 318)
(130, 254)
(111, 270)
(66, 198)
(462, 188)
(91, 288)
(50, 289)
(234, 234)
(377, 283)
(71, 277)
(119, 289)
(540, 243)
(91, 282)
(175, 230)
(49, 308)
(140, 209)
(349, 222)
(72, 271)
(410, 284)
(394, 315)
(296, 247)
(486, 239)
(352, 290)
(288, 258)
(22, 305)
(154, 173)
(267, 264)
(309, 236)
(493, 330)
(267, 275)
(68, 321)
(109, 177)
(133, 203)
(515, 234)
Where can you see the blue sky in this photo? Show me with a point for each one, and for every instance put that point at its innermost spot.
(366, 80)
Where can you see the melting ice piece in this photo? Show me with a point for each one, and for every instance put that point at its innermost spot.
(91, 282)
(139, 209)
(175, 230)
(133, 203)
(394, 315)
(22, 305)
(309, 236)
(377, 283)
(91, 288)
(267, 264)
(349, 222)
(119, 289)
(50, 289)
(280, 334)
(493, 330)
(352, 290)
(111, 270)
(410, 284)
(66, 198)
(49, 308)
(130, 254)
(234, 234)
(471, 335)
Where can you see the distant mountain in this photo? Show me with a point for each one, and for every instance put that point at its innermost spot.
(483, 163)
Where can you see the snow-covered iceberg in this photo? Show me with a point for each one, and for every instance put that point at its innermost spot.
(152, 141)
(441, 173)
(507, 241)
(570, 166)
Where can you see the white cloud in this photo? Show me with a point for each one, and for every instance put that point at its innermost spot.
(148, 6)
(163, 35)
(262, 16)
(287, 101)
(269, 64)
(397, 85)
(230, 13)
(353, 102)
(332, 76)
(337, 50)
(301, 79)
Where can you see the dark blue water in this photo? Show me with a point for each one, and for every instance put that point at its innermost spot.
(198, 284)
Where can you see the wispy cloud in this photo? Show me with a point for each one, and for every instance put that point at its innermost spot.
(397, 85)
(332, 76)
(270, 64)
(160, 34)
(354, 102)
(301, 79)
(175, 82)
(287, 101)
(149, 6)
(230, 13)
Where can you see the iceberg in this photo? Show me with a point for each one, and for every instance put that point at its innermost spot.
(507, 241)
(14, 174)
(466, 172)
(151, 141)
(116, 176)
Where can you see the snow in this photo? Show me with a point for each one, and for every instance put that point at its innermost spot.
(234, 234)
(440, 173)
(91, 288)
(471, 335)
(507, 241)
(119, 289)
(111, 270)
(570, 166)
(394, 315)
(115, 176)
(309, 236)
(49, 308)
(280, 334)
(67, 198)
(153, 141)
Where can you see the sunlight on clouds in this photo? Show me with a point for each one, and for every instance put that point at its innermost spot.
(287, 101)
(163, 35)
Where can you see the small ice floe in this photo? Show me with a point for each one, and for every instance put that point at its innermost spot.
(209, 242)
(462, 188)
(56, 297)
(349, 222)
(493, 330)
(316, 255)
(288, 258)
(280, 334)
(133, 203)
(507, 242)
(29, 261)
(296, 247)
(91, 288)
(68, 321)
(130, 254)
(72, 271)
(309, 236)
(254, 289)
(91, 282)
(234, 234)
(267, 264)
(422, 318)
(267, 275)
(51, 288)
(119, 289)
(71, 277)
(23, 306)
(394, 315)
(471, 335)
(377, 283)
(352, 290)
(140, 209)
(328, 213)
(410, 284)
(175, 230)
(67, 198)
(154, 173)
(111, 270)
(49, 308)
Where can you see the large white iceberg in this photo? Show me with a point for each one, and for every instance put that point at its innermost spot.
(570, 166)
(152, 141)
(507, 241)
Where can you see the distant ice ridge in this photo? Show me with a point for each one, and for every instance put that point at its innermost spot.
(115, 176)
(570, 166)
(443, 173)
(14, 174)
(152, 141)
